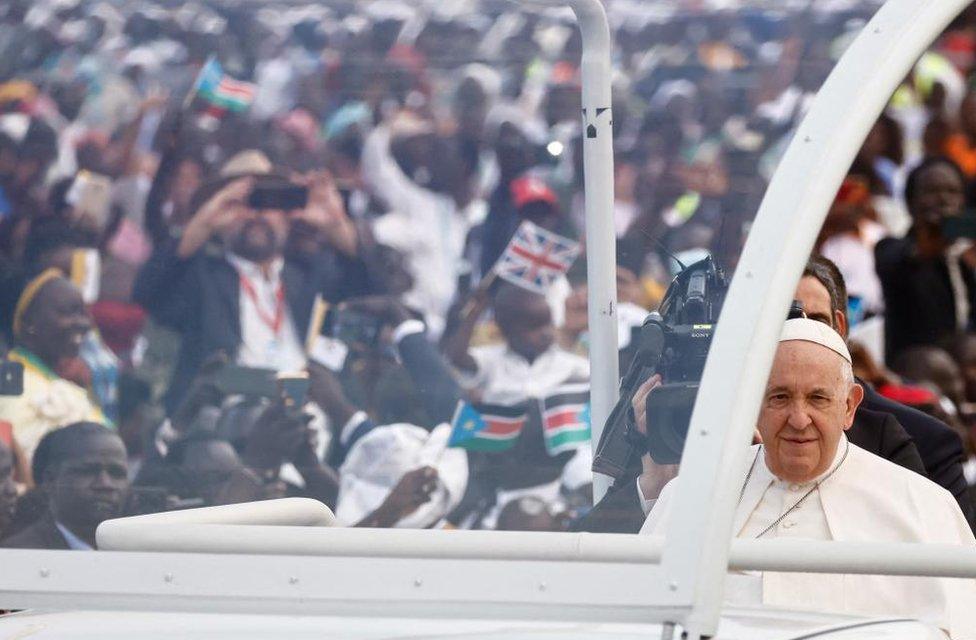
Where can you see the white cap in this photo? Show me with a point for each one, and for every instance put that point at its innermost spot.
(378, 461)
(818, 332)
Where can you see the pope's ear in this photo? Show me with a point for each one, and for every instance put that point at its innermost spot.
(854, 398)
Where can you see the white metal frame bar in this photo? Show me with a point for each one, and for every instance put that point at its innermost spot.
(314, 585)
(792, 212)
(787, 555)
(601, 249)
(331, 571)
(688, 585)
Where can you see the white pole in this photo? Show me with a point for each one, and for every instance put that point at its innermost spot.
(601, 236)
(601, 249)
(697, 548)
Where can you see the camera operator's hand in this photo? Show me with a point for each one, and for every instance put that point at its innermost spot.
(387, 308)
(639, 403)
(217, 213)
(413, 491)
(280, 434)
(653, 475)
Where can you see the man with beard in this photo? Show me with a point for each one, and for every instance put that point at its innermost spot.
(82, 470)
(226, 284)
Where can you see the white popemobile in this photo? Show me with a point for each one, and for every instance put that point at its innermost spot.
(279, 570)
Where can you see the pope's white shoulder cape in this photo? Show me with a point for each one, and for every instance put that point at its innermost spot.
(868, 499)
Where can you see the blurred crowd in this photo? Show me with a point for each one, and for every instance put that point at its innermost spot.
(335, 206)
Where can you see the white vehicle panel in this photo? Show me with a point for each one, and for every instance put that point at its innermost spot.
(747, 625)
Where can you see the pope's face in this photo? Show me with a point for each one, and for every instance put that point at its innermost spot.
(806, 408)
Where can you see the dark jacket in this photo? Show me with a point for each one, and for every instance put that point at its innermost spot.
(880, 433)
(438, 389)
(43, 534)
(619, 511)
(920, 305)
(200, 298)
(938, 445)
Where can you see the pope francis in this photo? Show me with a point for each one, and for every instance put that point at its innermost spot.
(807, 481)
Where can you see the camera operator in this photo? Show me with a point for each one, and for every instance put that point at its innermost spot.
(878, 425)
(247, 299)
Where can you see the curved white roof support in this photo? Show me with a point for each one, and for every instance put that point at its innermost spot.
(696, 552)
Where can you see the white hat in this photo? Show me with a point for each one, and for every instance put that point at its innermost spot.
(818, 332)
(378, 461)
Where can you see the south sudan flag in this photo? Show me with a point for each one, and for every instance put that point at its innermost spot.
(222, 91)
(566, 418)
(484, 427)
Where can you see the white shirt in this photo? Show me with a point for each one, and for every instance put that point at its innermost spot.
(504, 377)
(426, 226)
(854, 256)
(261, 346)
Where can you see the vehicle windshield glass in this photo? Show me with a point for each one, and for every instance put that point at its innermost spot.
(335, 249)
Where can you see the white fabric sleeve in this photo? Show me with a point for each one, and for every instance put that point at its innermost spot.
(381, 170)
(646, 504)
(660, 510)
(478, 378)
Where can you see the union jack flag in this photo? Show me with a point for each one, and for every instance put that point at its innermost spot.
(535, 258)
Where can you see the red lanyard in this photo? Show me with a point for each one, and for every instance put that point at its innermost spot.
(272, 322)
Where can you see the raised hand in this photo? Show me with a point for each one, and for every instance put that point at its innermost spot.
(327, 213)
(216, 214)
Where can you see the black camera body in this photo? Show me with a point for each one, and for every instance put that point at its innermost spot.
(674, 343)
(688, 315)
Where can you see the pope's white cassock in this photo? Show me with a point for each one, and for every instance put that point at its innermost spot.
(866, 499)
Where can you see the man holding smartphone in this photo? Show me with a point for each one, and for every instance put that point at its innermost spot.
(226, 283)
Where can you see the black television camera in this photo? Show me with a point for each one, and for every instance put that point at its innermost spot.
(673, 342)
